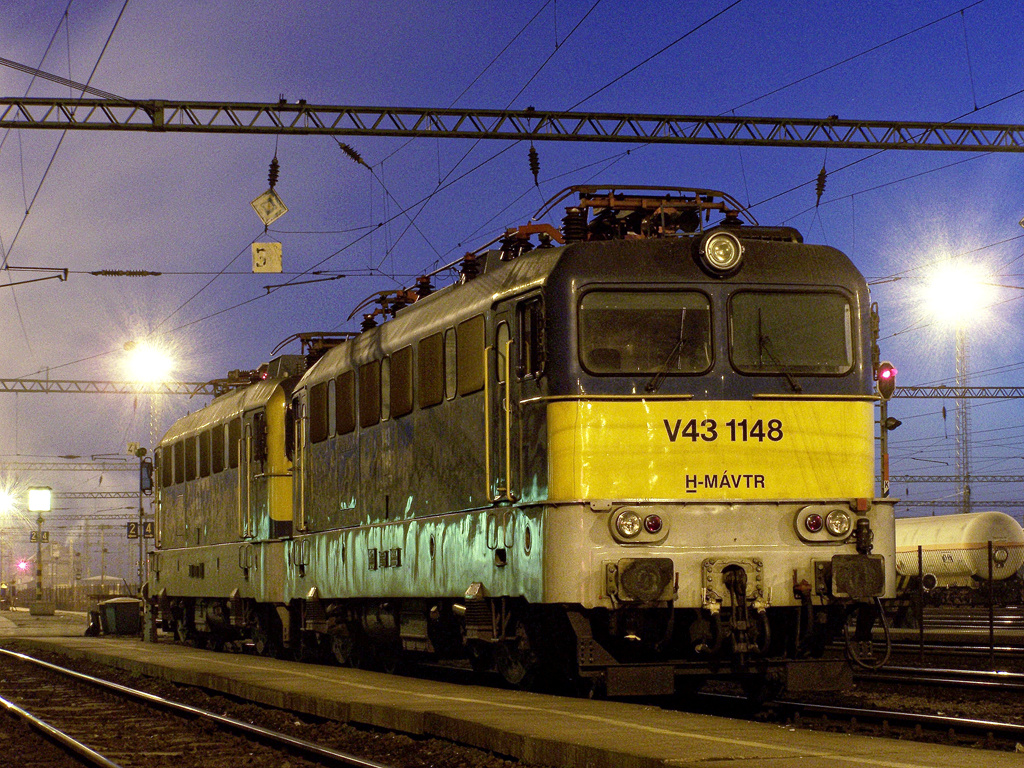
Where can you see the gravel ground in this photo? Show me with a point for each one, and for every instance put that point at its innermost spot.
(392, 749)
(395, 749)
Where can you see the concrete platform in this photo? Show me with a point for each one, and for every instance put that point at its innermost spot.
(541, 729)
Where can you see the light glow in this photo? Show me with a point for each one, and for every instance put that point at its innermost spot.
(959, 294)
(39, 499)
(146, 363)
(7, 501)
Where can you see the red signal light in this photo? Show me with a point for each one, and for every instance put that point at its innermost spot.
(22, 565)
(652, 523)
(886, 379)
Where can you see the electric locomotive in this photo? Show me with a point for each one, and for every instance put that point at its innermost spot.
(635, 453)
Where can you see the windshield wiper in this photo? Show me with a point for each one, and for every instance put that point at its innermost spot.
(762, 346)
(655, 382)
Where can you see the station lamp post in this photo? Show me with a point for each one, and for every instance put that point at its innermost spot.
(6, 508)
(959, 294)
(39, 502)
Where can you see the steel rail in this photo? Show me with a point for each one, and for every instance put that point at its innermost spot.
(57, 736)
(972, 678)
(275, 738)
(280, 118)
(912, 646)
(947, 722)
(863, 714)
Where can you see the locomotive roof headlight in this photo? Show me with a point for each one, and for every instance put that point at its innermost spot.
(628, 524)
(1000, 555)
(838, 522)
(814, 522)
(721, 253)
(652, 523)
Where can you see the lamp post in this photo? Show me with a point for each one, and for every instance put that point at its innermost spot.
(960, 293)
(39, 502)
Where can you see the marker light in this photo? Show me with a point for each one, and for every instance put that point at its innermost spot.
(652, 523)
(814, 523)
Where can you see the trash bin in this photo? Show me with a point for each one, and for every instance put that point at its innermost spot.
(121, 616)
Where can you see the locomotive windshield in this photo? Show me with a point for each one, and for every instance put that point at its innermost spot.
(624, 332)
(805, 333)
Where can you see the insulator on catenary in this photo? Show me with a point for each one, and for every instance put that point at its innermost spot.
(125, 273)
(353, 155)
(534, 164)
(423, 286)
(469, 268)
(275, 171)
(574, 225)
(820, 188)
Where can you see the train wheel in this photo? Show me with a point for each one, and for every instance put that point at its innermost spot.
(515, 659)
(342, 646)
(266, 635)
(761, 689)
(190, 636)
(481, 657)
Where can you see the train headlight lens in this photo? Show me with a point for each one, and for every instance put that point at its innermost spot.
(838, 522)
(1000, 556)
(814, 522)
(722, 252)
(628, 524)
(652, 523)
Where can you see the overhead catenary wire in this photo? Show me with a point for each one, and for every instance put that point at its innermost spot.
(476, 142)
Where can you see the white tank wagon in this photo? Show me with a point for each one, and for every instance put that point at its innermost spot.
(954, 548)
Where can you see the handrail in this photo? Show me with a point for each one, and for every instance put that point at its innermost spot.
(487, 426)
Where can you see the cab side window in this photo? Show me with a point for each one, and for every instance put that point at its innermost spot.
(470, 365)
(369, 394)
(318, 421)
(430, 370)
(530, 315)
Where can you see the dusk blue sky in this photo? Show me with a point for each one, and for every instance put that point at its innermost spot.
(179, 204)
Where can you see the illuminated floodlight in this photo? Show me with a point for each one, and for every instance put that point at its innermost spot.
(7, 501)
(39, 499)
(146, 363)
(959, 294)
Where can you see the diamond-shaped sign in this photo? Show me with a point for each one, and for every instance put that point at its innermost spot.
(269, 207)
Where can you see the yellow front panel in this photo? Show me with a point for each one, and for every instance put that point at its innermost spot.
(710, 451)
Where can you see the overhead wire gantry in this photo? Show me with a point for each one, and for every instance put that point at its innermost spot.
(284, 118)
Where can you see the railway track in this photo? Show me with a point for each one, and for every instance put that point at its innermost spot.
(962, 731)
(979, 733)
(948, 678)
(105, 724)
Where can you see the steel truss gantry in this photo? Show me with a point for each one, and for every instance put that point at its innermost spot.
(111, 387)
(168, 116)
(989, 393)
(96, 495)
(956, 478)
(68, 466)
